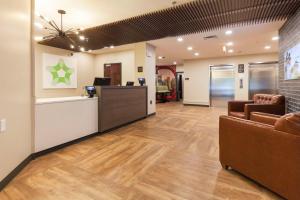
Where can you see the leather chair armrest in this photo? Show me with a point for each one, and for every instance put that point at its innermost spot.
(237, 106)
(264, 118)
(265, 108)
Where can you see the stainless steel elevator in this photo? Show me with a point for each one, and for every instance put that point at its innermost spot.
(263, 78)
(222, 85)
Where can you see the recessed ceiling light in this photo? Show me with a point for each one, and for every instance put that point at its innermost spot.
(111, 46)
(230, 51)
(275, 38)
(190, 48)
(38, 38)
(175, 63)
(267, 47)
(72, 46)
(196, 54)
(228, 32)
(179, 39)
(229, 44)
(161, 57)
(38, 25)
(81, 37)
(82, 49)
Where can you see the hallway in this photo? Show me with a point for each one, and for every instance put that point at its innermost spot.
(172, 155)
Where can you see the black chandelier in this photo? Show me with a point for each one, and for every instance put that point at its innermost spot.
(56, 31)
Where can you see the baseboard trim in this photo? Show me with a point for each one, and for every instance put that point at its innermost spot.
(201, 105)
(24, 163)
(15, 172)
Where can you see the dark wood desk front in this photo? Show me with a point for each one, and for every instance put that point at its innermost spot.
(120, 105)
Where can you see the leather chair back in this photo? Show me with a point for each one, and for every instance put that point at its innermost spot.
(289, 123)
(269, 99)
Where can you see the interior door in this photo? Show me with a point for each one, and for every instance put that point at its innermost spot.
(113, 71)
(222, 85)
(263, 78)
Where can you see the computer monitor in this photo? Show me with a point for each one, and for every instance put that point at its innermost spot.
(102, 81)
(142, 81)
(130, 83)
(91, 90)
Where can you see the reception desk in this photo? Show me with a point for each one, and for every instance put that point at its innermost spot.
(64, 119)
(60, 121)
(120, 105)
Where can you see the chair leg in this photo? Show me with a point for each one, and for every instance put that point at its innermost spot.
(226, 167)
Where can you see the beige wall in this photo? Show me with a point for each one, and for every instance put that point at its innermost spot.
(85, 72)
(127, 59)
(15, 83)
(196, 89)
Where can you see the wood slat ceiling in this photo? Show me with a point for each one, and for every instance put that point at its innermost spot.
(194, 17)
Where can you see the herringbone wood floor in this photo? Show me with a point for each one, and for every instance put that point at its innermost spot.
(173, 155)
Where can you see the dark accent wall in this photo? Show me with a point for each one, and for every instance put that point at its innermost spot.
(289, 36)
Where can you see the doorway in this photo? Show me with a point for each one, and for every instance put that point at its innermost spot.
(263, 78)
(179, 86)
(222, 85)
(113, 71)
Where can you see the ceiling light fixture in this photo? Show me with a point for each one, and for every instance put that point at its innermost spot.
(174, 63)
(112, 46)
(228, 32)
(81, 37)
(275, 38)
(56, 31)
(179, 39)
(82, 49)
(38, 38)
(196, 54)
(190, 48)
(72, 46)
(229, 44)
(230, 51)
(267, 47)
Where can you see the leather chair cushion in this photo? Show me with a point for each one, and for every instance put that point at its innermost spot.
(264, 118)
(238, 114)
(268, 99)
(289, 123)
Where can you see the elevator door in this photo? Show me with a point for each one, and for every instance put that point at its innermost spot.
(221, 85)
(263, 79)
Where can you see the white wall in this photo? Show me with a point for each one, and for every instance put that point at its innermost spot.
(150, 67)
(15, 83)
(85, 72)
(196, 89)
(127, 58)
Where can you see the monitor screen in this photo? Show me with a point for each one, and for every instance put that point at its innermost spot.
(129, 83)
(91, 90)
(102, 81)
(142, 81)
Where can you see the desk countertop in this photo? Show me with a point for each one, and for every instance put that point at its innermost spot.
(62, 99)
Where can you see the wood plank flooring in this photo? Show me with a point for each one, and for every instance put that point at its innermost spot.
(173, 155)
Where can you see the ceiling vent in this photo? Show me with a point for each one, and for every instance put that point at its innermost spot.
(210, 37)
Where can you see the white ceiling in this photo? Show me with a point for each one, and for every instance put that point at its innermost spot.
(246, 40)
(89, 13)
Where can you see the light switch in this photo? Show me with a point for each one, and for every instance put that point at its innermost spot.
(2, 125)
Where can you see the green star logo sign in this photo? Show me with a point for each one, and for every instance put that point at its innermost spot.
(61, 73)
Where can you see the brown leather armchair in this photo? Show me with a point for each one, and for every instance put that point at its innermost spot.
(267, 103)
(266, 150)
